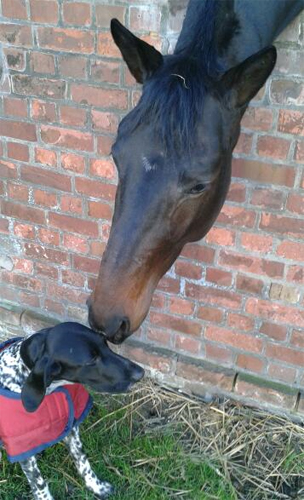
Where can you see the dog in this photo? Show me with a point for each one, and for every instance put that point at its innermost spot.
(43, 374)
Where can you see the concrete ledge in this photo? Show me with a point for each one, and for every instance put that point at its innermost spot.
(192, 376)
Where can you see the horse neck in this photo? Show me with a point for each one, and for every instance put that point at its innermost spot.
(235, 28)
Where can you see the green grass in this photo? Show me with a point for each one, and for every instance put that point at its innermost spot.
(141, 465)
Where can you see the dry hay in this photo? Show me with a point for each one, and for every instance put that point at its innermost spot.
(261, 454)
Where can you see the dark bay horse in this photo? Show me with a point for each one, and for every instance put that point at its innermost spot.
(173, 150)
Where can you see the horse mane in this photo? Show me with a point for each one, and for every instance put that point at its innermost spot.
(173, 97)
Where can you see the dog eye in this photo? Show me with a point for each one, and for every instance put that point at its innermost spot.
(198, 188)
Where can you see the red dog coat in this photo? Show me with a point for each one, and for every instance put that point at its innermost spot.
(24, 434)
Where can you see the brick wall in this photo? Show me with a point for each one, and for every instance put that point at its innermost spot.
(236, 298)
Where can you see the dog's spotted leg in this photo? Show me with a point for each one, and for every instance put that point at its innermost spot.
(101, 489)
(39, 487)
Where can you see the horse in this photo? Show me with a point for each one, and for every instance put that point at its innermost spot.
(173, 151)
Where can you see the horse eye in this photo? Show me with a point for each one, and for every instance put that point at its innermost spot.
(199, 188)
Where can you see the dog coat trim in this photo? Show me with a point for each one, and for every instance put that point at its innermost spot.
(24, 434)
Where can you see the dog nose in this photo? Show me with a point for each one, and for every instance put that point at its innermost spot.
(137, 374)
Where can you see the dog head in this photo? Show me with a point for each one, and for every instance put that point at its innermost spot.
(74, 353)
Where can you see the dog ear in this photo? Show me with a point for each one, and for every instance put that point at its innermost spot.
(43, 369)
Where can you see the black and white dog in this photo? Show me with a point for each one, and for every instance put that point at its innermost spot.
(43, 365)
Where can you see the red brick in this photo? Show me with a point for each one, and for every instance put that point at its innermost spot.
(235, 339)
(296, 274)
(45, 199)
(204, 376)
(23, 266)
(36, 175)
(15, 107)
(48, 236)
(217, 353)
(158, 301)
(221, 236)
(24, 231)
(105, 71)
(23, 212)
(15, 34)
(32, 284)
(291, 122)
(66, 40)
(240, 322)
(160, 336)
(282, 225)
(274, 331)
(251, 264)
(244, 144)
(104, 145)
(286, 92)
(18, 130)
(250, 363)
(297, 338)
(67, 138)
(236, 216)
(284, 373)
(179, 324)
(272, 311)
(95, 188)
(107, 122)
(86, 264)
(291, 250)
(273, 147)
(169, 285)
(15, 9)
(290, 61)
(73, 116)
(268, 395)
(145, 18)
(4, 226)
(267, 198)
(73, 66)
(72, 162)
(97, 248)
(160, 363)
(54, 307)
(39, 252)
(295, 203)
(198, 252)
(222, 298)
(299, 152)
(218, 276)
(43, 111)
(188, 270)
(71, 204)
(75, 243)
(212, 314)
(40, 87)
(65, 293)
(104, 14)
(187, 344)
(8, 170)
(15, 58)
(46, 157)
(258, 118)
(100, 210)
(100, 97)
(291, 356)
(105, 45)
(256, 242)
(181, 306)
(103, 168)
(44, 11)
(263, 172)
(237, 192)
(73, 224)
(18, 192)
(42, 63)
(17, 151)
(71, 278)
(77, 13)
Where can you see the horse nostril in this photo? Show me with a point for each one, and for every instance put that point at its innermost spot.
(124, 326)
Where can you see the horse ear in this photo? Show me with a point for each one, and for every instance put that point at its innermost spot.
(241, 83)
(142, 59)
